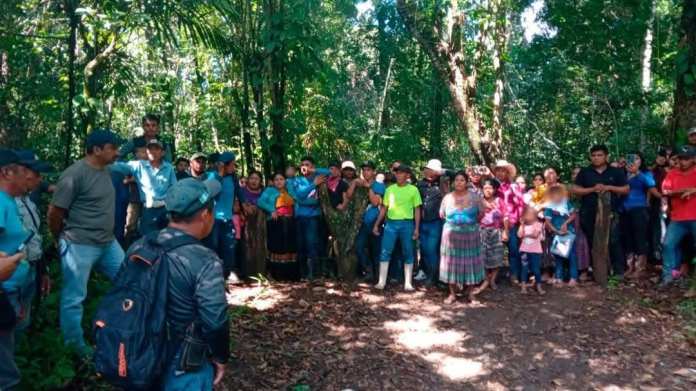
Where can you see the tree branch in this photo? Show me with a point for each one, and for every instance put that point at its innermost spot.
(101, 57)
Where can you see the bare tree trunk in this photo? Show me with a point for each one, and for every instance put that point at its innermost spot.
(380, 115)
(89, 89)
(257, 89)
(246, 123)
(278, 82)
(12, 132)
(70, 7)
(499, 48)
(443, 44)
(684, 114)
(646, 70)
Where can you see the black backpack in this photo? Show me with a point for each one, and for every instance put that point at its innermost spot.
(130, 327)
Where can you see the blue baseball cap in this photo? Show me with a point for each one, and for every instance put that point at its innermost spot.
(190, 195)
(28, 159)
(101, 137)
(226, 157)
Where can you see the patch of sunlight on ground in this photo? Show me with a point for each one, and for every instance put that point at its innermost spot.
(556, 351)
(613, 387)
(258, 297)
(372, 299)
(456, 368)
(418, 332)
(629, 319)
(602, 365)
(554, 315)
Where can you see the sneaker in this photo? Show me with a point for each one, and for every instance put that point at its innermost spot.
(420, 276)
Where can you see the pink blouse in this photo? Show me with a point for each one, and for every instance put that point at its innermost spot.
(512, 198)
(529, 243)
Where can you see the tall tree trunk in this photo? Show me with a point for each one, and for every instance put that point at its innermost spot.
(500, 40)
(257, 90)
(684, 114)
(12, 132)
(246, 123)
(386, 62)
(90, 83)
(70, 7)
(278, 82)
(443, 44)
(437, 105)
(646, 70)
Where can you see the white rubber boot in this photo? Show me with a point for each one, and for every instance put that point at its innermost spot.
(383, 269)
(408, 277)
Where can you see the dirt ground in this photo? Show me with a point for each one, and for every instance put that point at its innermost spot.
(334, 337)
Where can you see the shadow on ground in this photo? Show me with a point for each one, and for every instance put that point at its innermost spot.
(336, 337)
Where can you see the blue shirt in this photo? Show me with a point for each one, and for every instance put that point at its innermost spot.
(558, 217)
(224, 202)
(639, 185)
(12, 234)
(372, 211)
(304, 192)
(153, 183)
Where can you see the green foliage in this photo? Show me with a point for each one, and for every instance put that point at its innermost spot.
(687, 308)
(45, 362)
(311, 77)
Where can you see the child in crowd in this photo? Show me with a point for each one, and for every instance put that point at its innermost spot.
(531, 234)
(559, 215)
(492, 233)
(535, 196)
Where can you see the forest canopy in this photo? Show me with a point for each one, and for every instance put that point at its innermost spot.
(536, 82)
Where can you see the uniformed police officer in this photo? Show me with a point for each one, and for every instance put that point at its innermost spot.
(196, 307)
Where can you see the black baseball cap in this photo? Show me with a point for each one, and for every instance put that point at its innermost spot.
(686, 152)
(101, 137)
(28, 159)
(190, 195)
(226, 157)
(403, 168)
(8, 157)
(368, 164)
(139, 142)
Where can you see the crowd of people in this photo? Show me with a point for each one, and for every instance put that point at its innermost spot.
(463, 229)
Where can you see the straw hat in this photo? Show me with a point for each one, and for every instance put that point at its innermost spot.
(512, 170)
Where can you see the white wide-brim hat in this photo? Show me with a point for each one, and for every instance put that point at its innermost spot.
(435, 165)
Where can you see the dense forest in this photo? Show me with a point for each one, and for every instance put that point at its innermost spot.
(536, 82)
(533, 81)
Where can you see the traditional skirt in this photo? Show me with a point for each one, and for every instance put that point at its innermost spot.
(492, 247)
(282, 247)
(460, 255)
